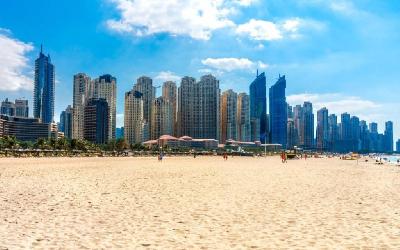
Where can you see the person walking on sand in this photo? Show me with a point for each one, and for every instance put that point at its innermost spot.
(282, 156)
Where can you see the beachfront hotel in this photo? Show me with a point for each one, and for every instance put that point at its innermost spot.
(81, 94)
(229, 114)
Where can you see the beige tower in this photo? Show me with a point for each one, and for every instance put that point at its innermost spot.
(243, 118)
(169, 93)
(228, 115)
(144, 85)
(106, 87)
(82, 84)
(134, 124)
(161, 118)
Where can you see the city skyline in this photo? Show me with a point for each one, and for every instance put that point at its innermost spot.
(344, 76)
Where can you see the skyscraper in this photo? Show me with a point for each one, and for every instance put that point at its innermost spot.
(134, 124)
(291, 134)
(389, 137)
(199, 107)
(258, 108)
(364, 137)
(188, 108)
(243, 117)
(161, 118)
(398, 146)
(373, 137)
(355, 134)
(7, 108)
(306, 133)
(345, 141)
(169, 92)
(21, 108)
(105, 87)
(229, 115)
(82, 91)
(66, 121)
(278, 112)
(333, 134)
(322, 129)
(144, 85)
(96, 119)
(209, 98)
(44, 88)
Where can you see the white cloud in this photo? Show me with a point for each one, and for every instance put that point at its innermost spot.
(231, 64)
(194, 18)
(14, 63)
(246, 2)
(167, 76)
(262, 30)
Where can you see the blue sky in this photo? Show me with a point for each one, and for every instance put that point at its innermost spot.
(341, 54)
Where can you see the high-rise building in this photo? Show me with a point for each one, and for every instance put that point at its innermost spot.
(297, 120)
(105, 87)
(7, 108)
(209, 98)
(333, 133)
(345, 142)
(398, 146)
(170, 94)
(364, 137)
(306, 130)
(96, 119)
(44, 89)
(258, 108)
(82, 91)
(135, 127)
(66, 119)
(144, 85)
(21, 108)
(229, 115)
(243, 118)
(188, 108)
(119, 133)
(291, 134)
(278, 112)
(199, 107)
(355, 135)
(18, 109)
(322, 129)
(389, 137)
(162, 118)
(373, 137)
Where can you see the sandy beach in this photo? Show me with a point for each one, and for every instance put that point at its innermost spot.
(203, 203)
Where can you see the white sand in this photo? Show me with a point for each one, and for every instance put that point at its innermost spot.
(203, 203)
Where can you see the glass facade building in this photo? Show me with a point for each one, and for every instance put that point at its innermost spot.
(44, 88)
(278, 112)
(258, 107)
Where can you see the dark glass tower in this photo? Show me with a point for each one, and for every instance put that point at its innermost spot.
(258, 107)
(44, 86)
(96, 121)
(278, 112)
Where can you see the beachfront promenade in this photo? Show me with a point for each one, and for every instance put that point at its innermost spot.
(202, 203)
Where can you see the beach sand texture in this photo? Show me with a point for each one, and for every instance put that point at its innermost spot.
(202, 203)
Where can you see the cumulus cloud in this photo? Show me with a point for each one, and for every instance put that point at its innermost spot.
(262, 30)
(167, 76)
(194, 18)
(231, 64)
(14, 63)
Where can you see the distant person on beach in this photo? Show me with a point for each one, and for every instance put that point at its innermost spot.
(225, 156)
(283, 157)
(305, 157)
